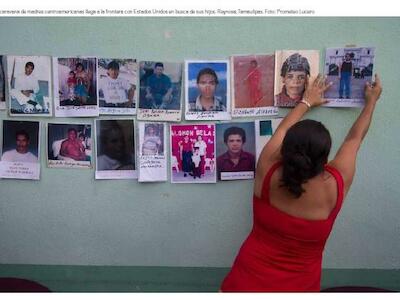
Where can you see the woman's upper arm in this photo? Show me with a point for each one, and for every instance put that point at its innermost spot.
(345, 161)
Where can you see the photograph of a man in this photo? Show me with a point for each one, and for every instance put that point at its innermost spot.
(72, 147)
(29, 83)
(20, 141)
(236, 155)
(160, 85)
(69, 145)
(348, 69)
(117, 82)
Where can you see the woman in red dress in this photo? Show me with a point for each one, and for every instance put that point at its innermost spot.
(297, 196)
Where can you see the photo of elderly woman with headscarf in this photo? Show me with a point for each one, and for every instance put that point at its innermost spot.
(292, 71)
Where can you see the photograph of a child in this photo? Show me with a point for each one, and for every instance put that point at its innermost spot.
(152, 142)
(293, 69)
(2, 84)
(253, 80)
(29, 83)
(20, 141)
(193, 153)
(348, 69)
(69, 144)
(207, 87)
(115, 146)
(117, 85)
(77, 81)
(235, 150)
(160, 85)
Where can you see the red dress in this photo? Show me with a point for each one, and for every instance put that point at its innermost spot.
(282, 252)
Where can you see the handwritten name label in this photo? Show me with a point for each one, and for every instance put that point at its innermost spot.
(237, 175)
(159, 114)
(69, 164)
(256, 111)
(117, 111)
(20, 170)
(207, 115)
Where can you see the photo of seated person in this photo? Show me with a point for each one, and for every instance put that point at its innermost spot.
(77, 81)
(69, 143)
(158, 89)
(235, 159)
(25, 89)
(72, 147)
(115, 145)
(115, 91)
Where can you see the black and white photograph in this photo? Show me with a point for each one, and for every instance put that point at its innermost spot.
(115, 149)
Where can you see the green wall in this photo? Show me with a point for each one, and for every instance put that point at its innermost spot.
(68, 218)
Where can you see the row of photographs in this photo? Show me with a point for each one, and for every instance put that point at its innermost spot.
(198, 153)
(251, 85)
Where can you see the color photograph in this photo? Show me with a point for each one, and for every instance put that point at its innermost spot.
(75, 80)
(69, 145)
(253, 84)
(193, 153)
(235, 150)
(293, 68)
(348, 69)
(207, 94)
(117, 86)
(29, 85)
(20, 156)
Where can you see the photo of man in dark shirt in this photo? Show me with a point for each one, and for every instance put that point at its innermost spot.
(235, 159)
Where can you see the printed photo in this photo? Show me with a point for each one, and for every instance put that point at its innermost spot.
(193, 153)
(152, 159)
(348, 69)
(29, 85)
(293, 68)
(75, 82)
(160, 85)
(115, 149)
(264, 131)
(69, 145)
(117, 86)
(2, 84)
(152, 142)
(253, 84)
(207, 90)
(20, 150)
(235, 150)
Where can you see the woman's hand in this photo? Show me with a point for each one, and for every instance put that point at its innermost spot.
(315, 91)
(373, 90)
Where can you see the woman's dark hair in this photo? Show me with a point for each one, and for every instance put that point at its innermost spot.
(305, 150)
